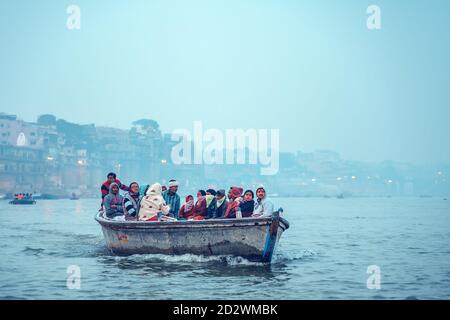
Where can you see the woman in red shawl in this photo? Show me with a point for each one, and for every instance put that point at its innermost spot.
(187, 210)
(200, 209)
(233, 205)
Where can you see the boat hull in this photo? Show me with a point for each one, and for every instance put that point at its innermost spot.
(253, 239)
(22, 202)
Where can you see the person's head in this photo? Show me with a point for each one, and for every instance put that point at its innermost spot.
(114, 188)
(201, 193)
(211, 192)
(260, 192)
(229, 193)
(134, 187)
(164, 188)
(235, 192)
(220, 194)
(189, 198)
(249, 195)
(111, 177)
(173, 186)
(154, 190)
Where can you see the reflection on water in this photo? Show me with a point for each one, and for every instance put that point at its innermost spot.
(324, 255)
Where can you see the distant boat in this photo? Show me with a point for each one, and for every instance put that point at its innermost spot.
(252, 238)
(340, 196)
(74, 197)
(23, 201)
(23, 198)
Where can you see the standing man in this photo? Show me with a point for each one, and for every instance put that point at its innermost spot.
(263, 207)
(172, 198)
(111, 178)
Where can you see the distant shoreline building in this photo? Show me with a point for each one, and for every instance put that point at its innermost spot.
(57, 157)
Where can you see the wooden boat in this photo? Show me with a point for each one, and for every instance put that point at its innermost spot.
(252, 238)
(22, 201)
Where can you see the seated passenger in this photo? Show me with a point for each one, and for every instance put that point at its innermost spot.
(131, 202)
(263, 207)
(200, 211)
(221, 204)
(210, 203)
(153, 204)
(172, 198)
(187, 209)
(233, 205)
(229, 196)
(113, 202)
(247, 204)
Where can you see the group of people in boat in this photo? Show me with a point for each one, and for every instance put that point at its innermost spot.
(23, 196)
(162, 203)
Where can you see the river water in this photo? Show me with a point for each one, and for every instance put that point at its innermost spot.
(324, 255)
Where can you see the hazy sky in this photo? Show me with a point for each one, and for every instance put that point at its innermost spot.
(310, 68)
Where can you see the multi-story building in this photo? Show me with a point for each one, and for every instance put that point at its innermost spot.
(58, 157)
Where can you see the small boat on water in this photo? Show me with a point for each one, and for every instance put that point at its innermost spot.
(74, 197)
(22, 201)
(254, 239)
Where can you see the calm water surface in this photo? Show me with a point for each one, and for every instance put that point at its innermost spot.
(324, 255)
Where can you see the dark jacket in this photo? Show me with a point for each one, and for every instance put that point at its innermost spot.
(220, 211)
(211, 209)
(247, 208)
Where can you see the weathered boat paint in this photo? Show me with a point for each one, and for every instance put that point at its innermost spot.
(252, 238)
